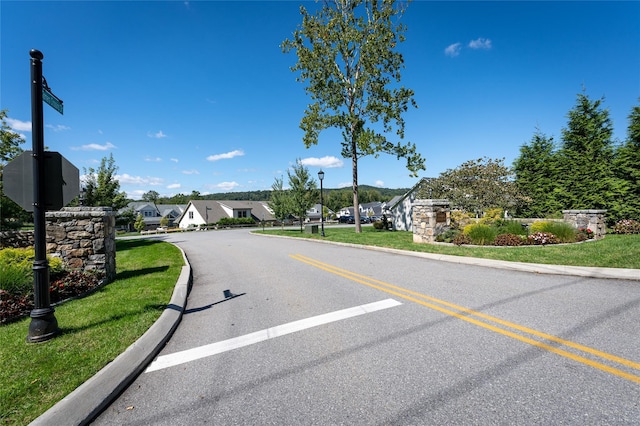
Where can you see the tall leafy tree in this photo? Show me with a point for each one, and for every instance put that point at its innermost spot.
(348, 59)
(152, 197)
(280, 201)
(474, 186)
(536, 174)
(11, 214)
(586, 178)
(303, 190)
(627, 168)
(101, 186)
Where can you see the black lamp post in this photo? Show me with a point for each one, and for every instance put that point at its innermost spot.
(321, 177)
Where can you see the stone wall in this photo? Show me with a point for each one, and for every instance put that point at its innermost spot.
(430, 219)
(588, 219)
(84, 237)
(16, 239)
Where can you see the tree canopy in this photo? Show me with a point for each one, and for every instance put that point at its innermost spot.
(101, 186)
(11, 215)
(348, 59)
(302, 193)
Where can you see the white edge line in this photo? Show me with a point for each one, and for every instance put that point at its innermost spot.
(188, 355)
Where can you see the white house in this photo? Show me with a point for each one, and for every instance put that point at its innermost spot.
(202, 212)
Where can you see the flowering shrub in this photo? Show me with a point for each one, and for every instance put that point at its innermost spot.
(626, 226)
(542, 238)
(588, 233)
(508, 240)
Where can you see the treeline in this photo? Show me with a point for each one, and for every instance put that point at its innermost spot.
(586, 169)
(334, 199)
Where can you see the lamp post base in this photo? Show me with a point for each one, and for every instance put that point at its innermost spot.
(43, 327)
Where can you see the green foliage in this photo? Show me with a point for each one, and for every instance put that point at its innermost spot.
(511, 227)
(101, 186)
(229, 221)
(480, 234)
(540, 226)
(461, 238)
(460, 219)
(541, 238)
(563, 232)
(491, 216)
(348, 59)
(536, 170)
(627, 169)
(448, 236)
(280, 202)
(139, 223)
(16, 269)
(303, 193)
(474, 186)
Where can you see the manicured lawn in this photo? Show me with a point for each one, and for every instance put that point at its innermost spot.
(614, 251)
(95, 330)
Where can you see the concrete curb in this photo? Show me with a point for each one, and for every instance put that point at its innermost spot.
(82, 405)
(536, 268)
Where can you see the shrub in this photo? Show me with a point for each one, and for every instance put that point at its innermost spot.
(481, 234)
(626, 226)
(378, 225)
(511, 227)
(460, 219)
(563, 232)
(448, 236)
(75, 283)
(492, 216)
(542, 238)
(228, 221)
(539, 226)
(508, 240)
(461, 239)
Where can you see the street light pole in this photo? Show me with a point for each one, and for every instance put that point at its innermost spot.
(321, 177)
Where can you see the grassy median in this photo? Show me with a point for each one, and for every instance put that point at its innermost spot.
(614, 251)
(95, 330)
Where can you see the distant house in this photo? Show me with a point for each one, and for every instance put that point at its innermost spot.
(374, 209)
(202, 212)
(314, 213)
(152, 214)
(399, 208)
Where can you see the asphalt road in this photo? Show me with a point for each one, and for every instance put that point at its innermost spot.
(318, 334)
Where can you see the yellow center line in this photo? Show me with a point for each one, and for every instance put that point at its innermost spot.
(465, 313)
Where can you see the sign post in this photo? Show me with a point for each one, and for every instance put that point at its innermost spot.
(44, 325)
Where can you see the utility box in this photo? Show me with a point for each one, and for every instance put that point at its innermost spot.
(311, 229)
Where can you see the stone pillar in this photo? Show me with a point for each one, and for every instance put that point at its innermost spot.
(591, 219)
(85, 238)
(429, 218)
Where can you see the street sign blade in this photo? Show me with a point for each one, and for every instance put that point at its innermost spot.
(52, 100)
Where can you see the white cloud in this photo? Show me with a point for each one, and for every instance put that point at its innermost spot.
(224, 186)
(94, 147)
(190, 172)
(480, 43)
(175, 160)
(57, 127)
(379, 184)
(453, 50)
(174, 186)
(328, 162)
(17, 125)
(126, 179)
(345, 184)
(153, 159)
(157, 135)
(226, 155)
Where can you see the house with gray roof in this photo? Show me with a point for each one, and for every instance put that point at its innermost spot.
(202, 212)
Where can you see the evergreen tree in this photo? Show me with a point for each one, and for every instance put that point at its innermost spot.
(586, 179)
(303, 192)
(536, 174)
(280, 201)
(627, 168)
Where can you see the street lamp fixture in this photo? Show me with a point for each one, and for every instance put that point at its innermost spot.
(321, 177)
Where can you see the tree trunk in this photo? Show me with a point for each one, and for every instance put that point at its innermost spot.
(356, 203)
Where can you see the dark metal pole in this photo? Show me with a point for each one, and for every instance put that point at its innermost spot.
(321, 177)
(44, 325)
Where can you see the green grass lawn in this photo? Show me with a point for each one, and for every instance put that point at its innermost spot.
(95, 330)
(614, 251)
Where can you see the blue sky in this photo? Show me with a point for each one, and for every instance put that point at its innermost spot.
(198, 95)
